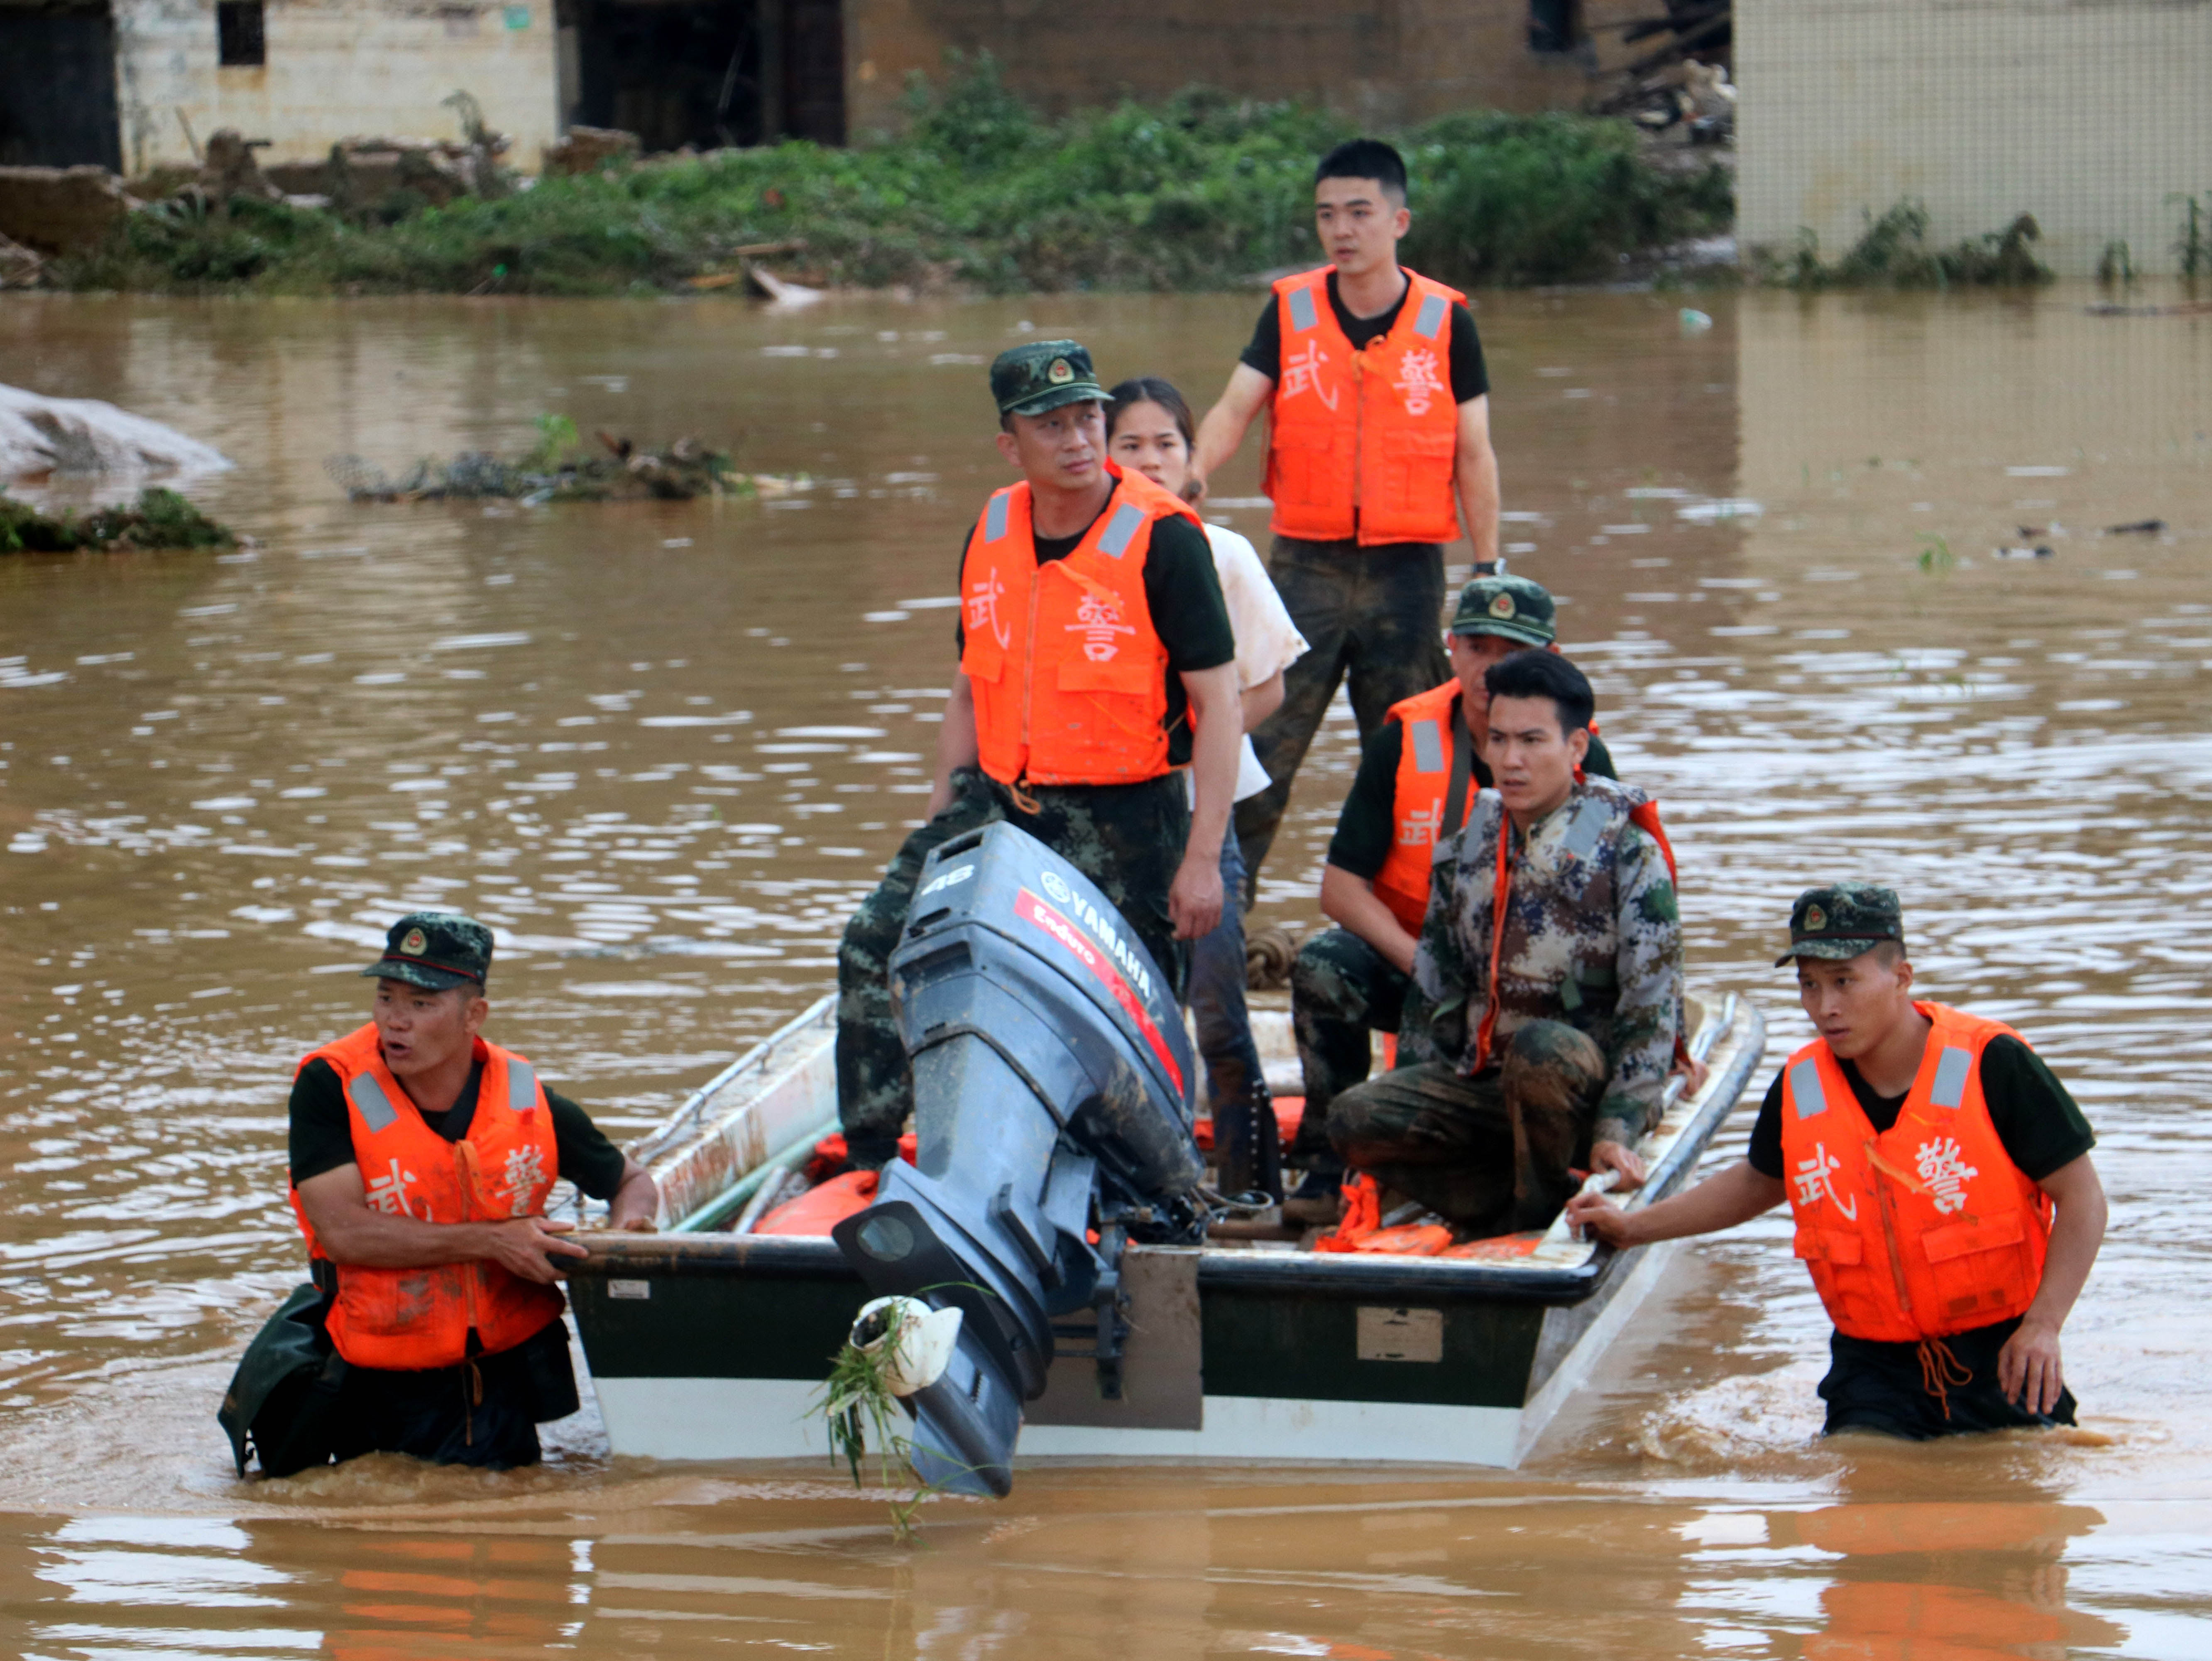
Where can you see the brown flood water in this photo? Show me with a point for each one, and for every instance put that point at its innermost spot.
(665, 747)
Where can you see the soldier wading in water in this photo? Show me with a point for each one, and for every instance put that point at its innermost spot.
(1096, 659)
(422, 1158)
(1941, 1180)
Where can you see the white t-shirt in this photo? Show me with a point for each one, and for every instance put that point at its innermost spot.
(1267, 641)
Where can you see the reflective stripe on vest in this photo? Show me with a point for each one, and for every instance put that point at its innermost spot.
(1417, 802)
(1928, 1228)
(368, 1098)
(1363, 444)
(1068, 674)
(413, 1318)
(1805, 1086)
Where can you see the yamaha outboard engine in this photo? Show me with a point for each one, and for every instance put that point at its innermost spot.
(1050, 1073)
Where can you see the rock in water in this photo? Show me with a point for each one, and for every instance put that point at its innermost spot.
(40, 437)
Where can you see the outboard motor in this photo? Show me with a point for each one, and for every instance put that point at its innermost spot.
(1050, 1066)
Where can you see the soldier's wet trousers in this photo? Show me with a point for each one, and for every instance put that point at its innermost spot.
(1374, 616)
(1127, 838)
(1342, 989)
(1246, 1153)
(1490, 1152)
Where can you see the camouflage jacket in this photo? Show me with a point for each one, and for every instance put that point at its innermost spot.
(1593, 938)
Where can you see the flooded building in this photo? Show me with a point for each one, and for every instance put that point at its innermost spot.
(1384, 63)
(137, 84)
(2092, 118)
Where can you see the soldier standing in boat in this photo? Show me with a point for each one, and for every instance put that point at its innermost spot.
(1419, 771)
(1378, 454)
(1941, 1181)
(1096, 659)
(1549, 969)
(422, 1158)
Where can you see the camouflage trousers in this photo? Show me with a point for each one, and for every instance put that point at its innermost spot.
(1341, 990)
(1128, 838)
(1372, 615)
(1492, 1153)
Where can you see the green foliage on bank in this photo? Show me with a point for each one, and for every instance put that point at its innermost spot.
(981, 192)
(1894, 252)
(158, 519)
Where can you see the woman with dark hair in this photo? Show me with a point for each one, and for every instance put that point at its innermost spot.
(1149, 430)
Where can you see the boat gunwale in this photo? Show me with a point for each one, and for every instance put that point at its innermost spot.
(1306, 1274)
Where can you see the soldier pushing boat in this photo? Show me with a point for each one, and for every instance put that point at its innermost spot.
(1940, 1178)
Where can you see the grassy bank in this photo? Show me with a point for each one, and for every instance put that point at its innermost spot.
(980, 192)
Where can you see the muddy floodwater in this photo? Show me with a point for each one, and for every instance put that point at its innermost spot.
(664, 748)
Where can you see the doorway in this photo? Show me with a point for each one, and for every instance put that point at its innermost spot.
(57, 106)
(711, 74)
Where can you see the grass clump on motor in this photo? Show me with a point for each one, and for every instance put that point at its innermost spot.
(1197, 191)
(158, 519)
(897, 1346)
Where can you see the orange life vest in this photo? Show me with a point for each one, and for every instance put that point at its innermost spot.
(1928, 1228)
(1417, 801)
(1069, 675)
(412, 1319)
(1362, 443)
(1419, 795)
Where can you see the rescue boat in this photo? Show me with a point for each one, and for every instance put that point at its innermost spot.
(710, 1341)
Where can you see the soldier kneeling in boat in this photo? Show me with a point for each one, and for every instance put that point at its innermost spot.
(1550, 970)
(1421, 769)
(421, 1156)
(1941, 1180)
(1096, 659)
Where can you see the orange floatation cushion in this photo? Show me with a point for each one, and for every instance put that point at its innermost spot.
(817, 1210)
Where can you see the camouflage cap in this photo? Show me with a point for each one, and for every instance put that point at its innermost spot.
(434, 950)
(1513, 607)
(1844, 920)
(1032, 380)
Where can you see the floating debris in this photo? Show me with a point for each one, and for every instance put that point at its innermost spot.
(549, 473)
(2142, 527)
(161, 520)
(2038, 552)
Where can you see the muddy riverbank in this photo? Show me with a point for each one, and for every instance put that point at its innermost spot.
(664, 748)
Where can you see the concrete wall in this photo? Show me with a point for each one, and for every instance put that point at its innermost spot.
(336, 69)
(1383, 62)
(2087, 113)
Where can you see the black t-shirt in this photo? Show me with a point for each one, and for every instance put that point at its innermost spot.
(1470, 377)
(1182, 592)
(2039, 1123)
(322, 1132)
(1367, 827)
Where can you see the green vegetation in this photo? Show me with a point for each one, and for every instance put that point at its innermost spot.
(1195, 193)
(1894, 252)
(160, 519)
(858, 1404)
(2193, 247)
(551, 471)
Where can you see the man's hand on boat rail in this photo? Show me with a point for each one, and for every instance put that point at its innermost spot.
(636, 1202)
(1735, 1196)
(1622, 1159)
(528, 1246)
